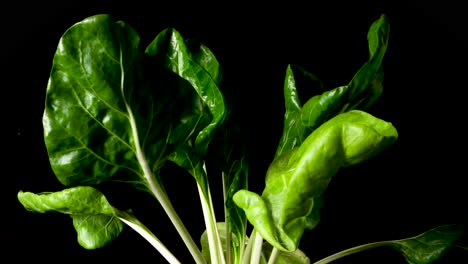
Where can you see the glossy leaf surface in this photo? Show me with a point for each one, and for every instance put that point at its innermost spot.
(198, 66)
(87, 126)
(111, 109)
(298, 176)
(360, 93)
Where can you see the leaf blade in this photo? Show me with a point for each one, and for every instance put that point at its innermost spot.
(94, 219)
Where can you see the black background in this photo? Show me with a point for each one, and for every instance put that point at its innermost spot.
(415, 185)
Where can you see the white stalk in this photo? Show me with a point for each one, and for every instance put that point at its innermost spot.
(256, 249)
(273, 256)
(154, 186)
(214, 242)
(350, 251)
(153, 240)
(228, 232)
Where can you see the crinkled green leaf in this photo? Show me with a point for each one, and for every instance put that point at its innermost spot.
(298, 176)
(360, 93)
(94, 219)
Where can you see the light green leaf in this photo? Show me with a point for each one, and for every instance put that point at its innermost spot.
(94, 219)
(296, 178)
(360, 93)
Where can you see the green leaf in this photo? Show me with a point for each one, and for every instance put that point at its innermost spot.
(94, 219)
(196, 64)
(360, 93)
(430, 245)
(294, 132)
(86, 121)
(296, 178)
(229, 156)
(114, 112)
(421, 249)
(235, 180)
(363, 89)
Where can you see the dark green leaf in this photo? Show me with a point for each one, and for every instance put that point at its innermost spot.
(430, 245)
(360, 93)
(86, 120)
(116, 113)
(196, 64)
(422, 249)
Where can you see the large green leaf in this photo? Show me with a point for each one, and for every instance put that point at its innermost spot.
(198, 66)
(94, 219)
(296, 178)
(87, 119)
(360, 93)
(112, 111)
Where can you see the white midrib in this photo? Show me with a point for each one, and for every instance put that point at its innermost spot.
(153, 185)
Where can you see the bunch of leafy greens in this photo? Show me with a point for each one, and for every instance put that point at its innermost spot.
(117, 113)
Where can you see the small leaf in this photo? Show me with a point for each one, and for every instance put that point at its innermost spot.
(430, 245)
(94, 219)
(422, 249)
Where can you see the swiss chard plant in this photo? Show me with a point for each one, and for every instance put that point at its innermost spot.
(118, 113)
